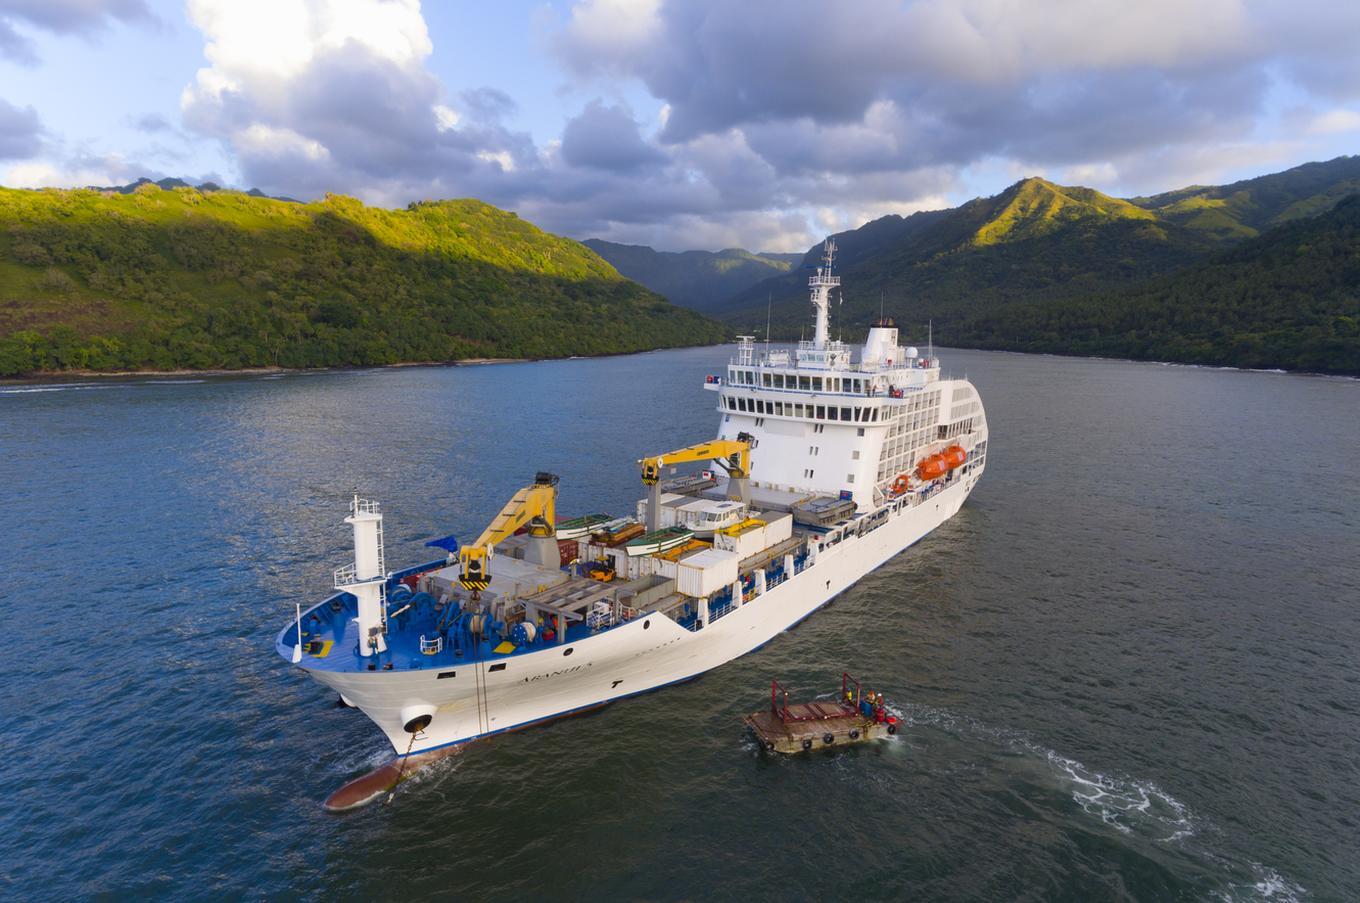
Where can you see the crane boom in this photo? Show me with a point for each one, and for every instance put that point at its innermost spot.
(734, 456)
(532, 507)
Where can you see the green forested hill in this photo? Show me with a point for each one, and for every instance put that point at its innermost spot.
(699, 280)
(1289, 299)
(1248, 208)
(1034, 239)
(220, 279)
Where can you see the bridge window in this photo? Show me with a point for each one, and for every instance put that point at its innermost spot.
(816, 384)
(845, 414)
(765, 380)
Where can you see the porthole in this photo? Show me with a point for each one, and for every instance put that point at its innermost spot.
(567, 651)
(646, 625)
(497, 667)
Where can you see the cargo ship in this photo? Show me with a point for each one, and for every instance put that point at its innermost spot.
(830, 459)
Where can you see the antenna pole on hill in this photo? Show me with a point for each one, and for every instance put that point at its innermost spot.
(930, 340)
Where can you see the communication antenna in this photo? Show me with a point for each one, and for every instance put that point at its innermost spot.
(769, 302)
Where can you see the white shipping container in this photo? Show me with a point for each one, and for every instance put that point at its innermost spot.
(706, 572)
(777, 529)
(745, 545)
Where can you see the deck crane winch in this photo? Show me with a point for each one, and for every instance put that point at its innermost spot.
(733, 455)
(532, 508)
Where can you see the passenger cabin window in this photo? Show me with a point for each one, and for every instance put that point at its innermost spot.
(765, 380)
(816, 384)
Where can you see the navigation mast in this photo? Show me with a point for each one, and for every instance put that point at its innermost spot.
(821, 284)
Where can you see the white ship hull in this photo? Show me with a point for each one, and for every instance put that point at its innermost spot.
(489, 697)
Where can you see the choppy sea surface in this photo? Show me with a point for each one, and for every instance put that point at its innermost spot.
(1129, 668)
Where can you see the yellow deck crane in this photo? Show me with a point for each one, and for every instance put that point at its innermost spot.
(532, 507)
(733, 455)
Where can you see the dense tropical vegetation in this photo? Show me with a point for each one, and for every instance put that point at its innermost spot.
(1289, 298)
(189, 278)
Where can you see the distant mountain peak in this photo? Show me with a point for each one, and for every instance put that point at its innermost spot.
(1035, 206)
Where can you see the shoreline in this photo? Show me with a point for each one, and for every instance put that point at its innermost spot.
(49, 376)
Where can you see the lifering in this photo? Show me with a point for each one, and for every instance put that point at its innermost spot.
(828, 739)
(854, 735)
(901, 484)
(807, 744)
(892, 728)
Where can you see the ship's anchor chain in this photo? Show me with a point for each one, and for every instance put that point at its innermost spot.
(401, 770)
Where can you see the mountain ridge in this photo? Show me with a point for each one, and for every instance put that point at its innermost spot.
(700, 280)
(182, 278)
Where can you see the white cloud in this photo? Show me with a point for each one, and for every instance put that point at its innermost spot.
(258, 139)
(113, 169)
(607, 34)
(500, 158)
(1335, 121)
(445, 117)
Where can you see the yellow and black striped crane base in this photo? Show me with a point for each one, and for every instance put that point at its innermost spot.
(474, 584)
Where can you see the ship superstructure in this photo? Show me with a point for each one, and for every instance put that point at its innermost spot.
(830, 460)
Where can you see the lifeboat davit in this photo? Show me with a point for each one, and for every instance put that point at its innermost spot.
(937, 465)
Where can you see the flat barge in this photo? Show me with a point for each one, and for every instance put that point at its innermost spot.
(805, 726)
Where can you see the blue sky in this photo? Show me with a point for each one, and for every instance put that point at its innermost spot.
(695, 124)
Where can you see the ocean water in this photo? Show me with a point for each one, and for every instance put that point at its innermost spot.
(1129, 668)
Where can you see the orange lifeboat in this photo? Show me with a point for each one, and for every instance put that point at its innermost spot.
(932, 468)
(938, 465)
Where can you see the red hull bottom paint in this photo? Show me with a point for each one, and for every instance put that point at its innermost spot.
(370, 787)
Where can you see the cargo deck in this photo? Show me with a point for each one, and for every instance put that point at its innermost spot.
(806, 726)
